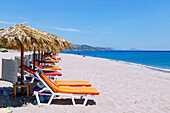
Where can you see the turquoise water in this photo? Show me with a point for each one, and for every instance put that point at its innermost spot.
(159, 59)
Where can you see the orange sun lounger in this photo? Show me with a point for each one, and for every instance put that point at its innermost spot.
(48, 67)
(51, 67)
(52, 74)
(50, 59)
(70, 90)
(58, 82)
(43, 64)
(55, 90)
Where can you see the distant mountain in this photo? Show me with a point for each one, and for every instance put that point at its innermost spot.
(77, 47)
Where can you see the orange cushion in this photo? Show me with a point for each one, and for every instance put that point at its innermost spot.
(50, 60)
(78, 90)
(49, 82)
(52, 67)
(52, 73)
(70, 90)
(72, 83)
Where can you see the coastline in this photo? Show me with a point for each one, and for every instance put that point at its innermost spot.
(147, 66)
(137, 64)
(122, 87)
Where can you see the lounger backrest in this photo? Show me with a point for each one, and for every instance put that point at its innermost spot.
(36, 62)
(38, 66)
(50, 58)
(51, 84)
(53, 58)
(29, 70)
(33, 61)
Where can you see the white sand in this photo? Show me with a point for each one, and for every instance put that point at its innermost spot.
(123, 87)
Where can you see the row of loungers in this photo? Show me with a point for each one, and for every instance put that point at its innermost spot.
(53, 87)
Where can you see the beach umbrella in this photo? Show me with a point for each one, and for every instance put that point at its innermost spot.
(24, 38)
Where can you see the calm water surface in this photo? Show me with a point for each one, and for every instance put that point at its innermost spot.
(159, 59)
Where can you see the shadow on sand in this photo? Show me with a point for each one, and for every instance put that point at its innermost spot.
(67, 101)
(21, 101)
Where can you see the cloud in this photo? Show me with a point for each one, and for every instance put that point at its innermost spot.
(64, 29)
(105, 32)
(21, 18)
(55, 28)
(26, 18)
(9, 23)
(26, 22)
(89, 26)
(15, 19)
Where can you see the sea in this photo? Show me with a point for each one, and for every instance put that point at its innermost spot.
(158, 60)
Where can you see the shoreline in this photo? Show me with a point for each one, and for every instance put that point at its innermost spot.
(147, 66)
(132, 63)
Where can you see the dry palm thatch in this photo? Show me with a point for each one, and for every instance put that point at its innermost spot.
(61, 43)
(31, 38)
(24, 38)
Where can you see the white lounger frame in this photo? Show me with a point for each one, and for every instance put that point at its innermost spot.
(47, 88)
(29, 75)
(33, 77)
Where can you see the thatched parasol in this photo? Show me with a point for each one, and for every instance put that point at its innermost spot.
(24, 38)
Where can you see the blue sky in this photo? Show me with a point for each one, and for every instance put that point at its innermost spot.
(121, 24)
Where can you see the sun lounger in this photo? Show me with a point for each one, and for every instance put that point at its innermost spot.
(44, 64)
(47, 68)
(58, 82)
(51, 59)
(55, 90)
(30, 71)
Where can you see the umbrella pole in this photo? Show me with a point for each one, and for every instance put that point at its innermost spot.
(22, 64)
(34, 60)
(41, 56)
(38, 57)
(22, 68)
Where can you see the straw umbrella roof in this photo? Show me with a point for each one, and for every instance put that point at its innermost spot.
(24, 38)
(31, 38)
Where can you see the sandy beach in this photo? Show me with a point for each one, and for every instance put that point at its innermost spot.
(123, 88)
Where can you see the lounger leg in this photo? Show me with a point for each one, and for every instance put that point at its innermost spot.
(25, 78)
(51, 98)
(38, 100)
(55, 78)
(81, 97)
(73, 101)
(32, 80)
(37, 97)
(85, 101)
